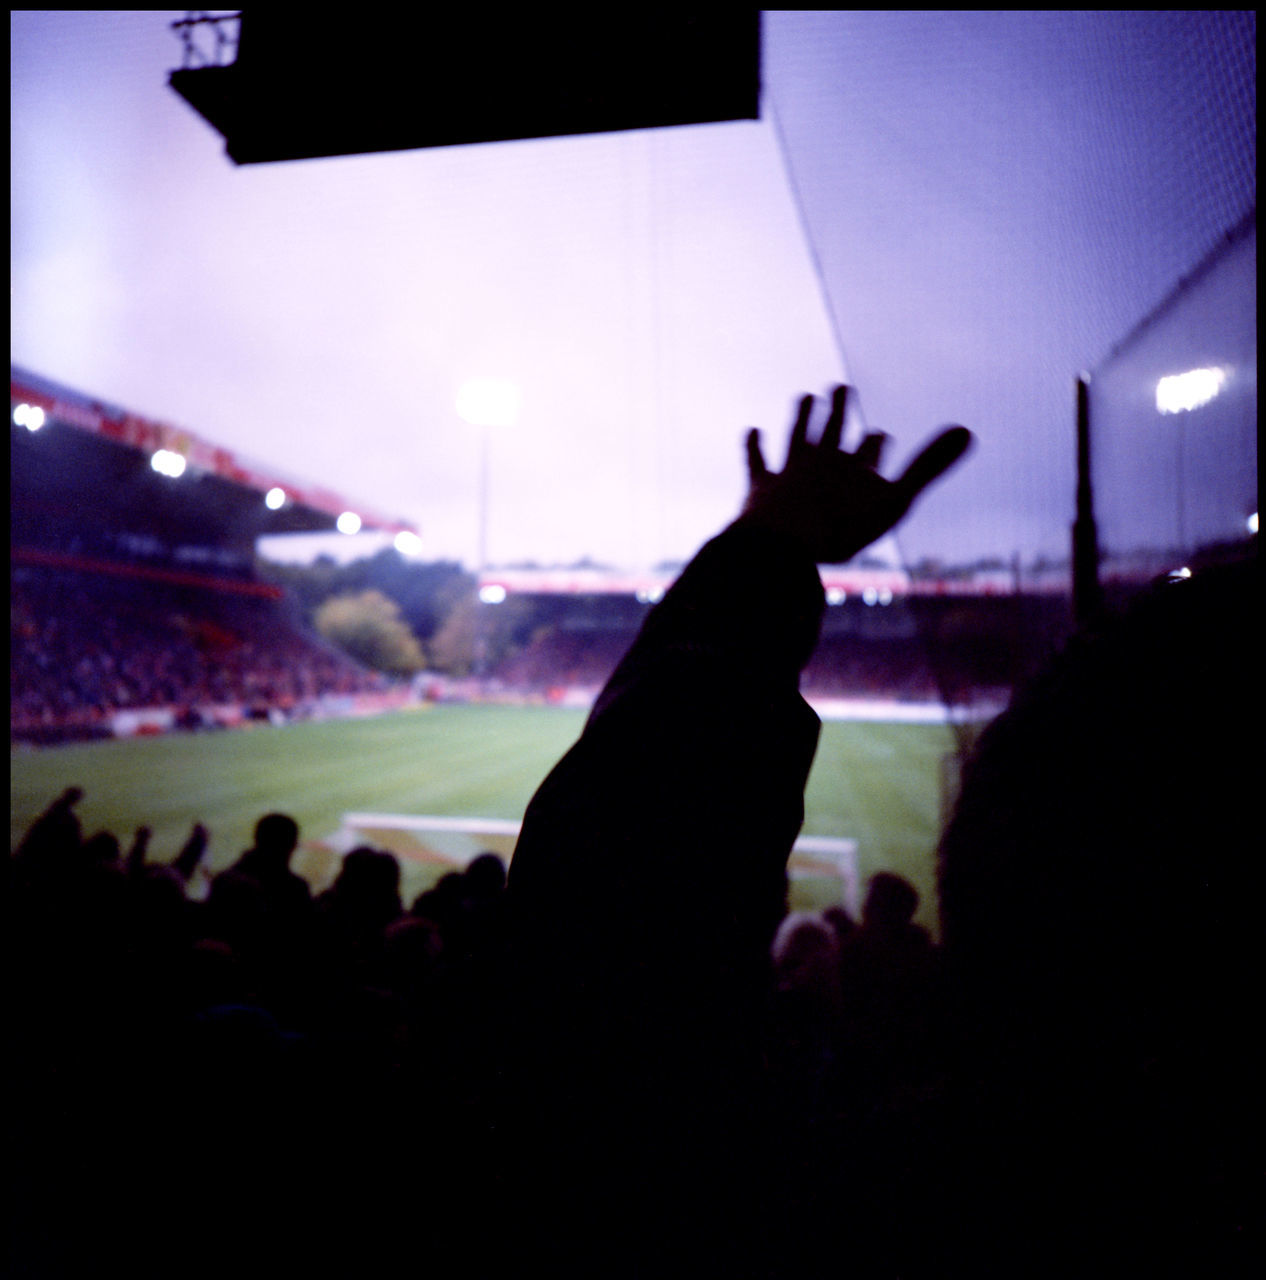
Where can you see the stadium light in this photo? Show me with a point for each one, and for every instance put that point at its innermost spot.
(30, 416)
(168, 463)
(348, 522)
(1182, 392)
(488, 402)
(275, 499)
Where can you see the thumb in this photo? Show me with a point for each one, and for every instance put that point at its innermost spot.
(933, 461)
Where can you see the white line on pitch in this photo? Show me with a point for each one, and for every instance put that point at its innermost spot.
(422, 822)
(507, 827)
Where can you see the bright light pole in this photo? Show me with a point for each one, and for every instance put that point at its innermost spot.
(485, 403)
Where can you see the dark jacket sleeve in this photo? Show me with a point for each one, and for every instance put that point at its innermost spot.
(652, 860)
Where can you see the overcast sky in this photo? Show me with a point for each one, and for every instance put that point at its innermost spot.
(649, 294)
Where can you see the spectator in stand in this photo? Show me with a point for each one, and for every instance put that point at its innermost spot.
(265, 911)
(1100, 920)
(267, 862)
(649, 879)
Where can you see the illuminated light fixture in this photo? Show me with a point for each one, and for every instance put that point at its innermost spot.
(408, 543)
(167, 463)
(30, 416)
(885, 596)
(1251, 523)
(1179, 575)
(870, 595)
(275, 499)
(836, 595)
(493, 593)
(348, 522)
(1181, 392)
(488, 402)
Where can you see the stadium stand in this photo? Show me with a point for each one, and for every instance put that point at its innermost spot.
(957, 650)
(135, 604)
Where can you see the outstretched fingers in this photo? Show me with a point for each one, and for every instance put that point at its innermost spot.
(800, 428)
(833, 432)
(756, 468)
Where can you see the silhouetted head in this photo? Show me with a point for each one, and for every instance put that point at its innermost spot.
(443, 902)
(840, 920)
(368, 888)
(1099, 858)
(805, 952)
(890, 902)
(370, 870)
(276, 833)
(485, 876)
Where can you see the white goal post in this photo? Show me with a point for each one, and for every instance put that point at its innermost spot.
(810, 855)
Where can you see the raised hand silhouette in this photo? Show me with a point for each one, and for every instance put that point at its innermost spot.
(834, 502)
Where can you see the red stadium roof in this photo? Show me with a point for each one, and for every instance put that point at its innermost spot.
(124, 427)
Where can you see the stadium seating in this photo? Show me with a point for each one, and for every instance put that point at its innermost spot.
(87, 647)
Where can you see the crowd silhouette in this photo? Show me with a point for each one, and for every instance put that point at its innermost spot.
(622, 1055)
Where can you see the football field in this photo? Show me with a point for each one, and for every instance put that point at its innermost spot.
(873, 783)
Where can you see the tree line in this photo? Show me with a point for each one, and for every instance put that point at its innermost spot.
(403, 616)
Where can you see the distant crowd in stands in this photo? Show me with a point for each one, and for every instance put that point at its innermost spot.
(842, 667)
(79, 654)
(565, 658)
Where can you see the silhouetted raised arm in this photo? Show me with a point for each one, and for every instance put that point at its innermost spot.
(655, 851)
(650, 877)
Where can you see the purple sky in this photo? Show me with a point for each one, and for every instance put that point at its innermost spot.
(993, 199)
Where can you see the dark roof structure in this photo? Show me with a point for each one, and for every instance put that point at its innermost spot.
(89, 466)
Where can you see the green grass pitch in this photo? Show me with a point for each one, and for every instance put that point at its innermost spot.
(875, 783)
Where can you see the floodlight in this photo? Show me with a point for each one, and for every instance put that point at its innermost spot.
(488, 402)
(493, 593)
(275, 499)
(30, 416)
(408, 543)
(168, 463)
(1182, 392)
(348, 522)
